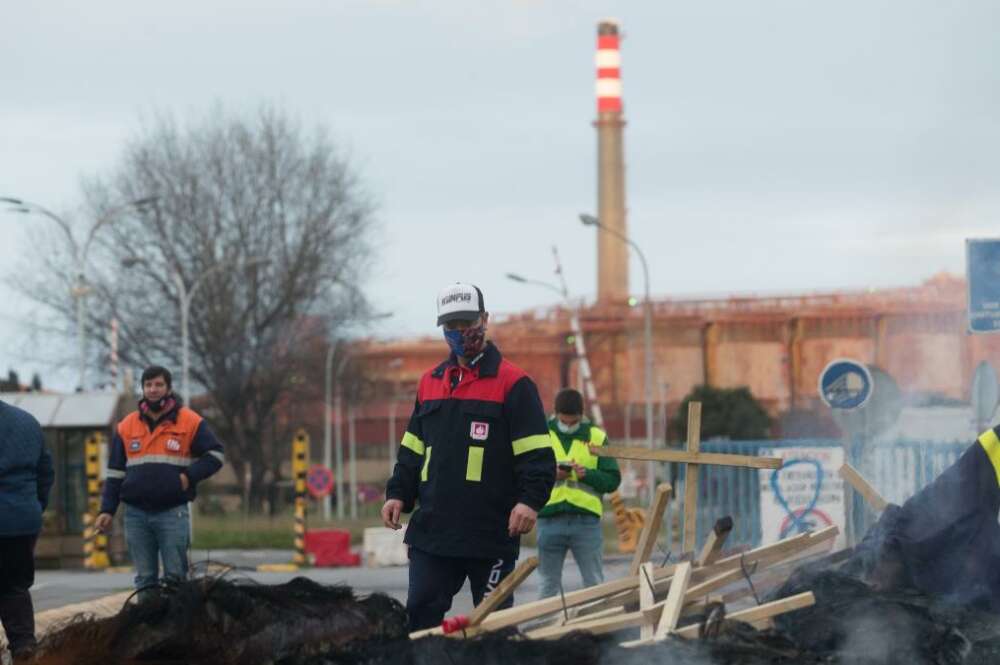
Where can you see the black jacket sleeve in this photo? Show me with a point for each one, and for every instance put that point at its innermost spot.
(405, 478)
(207, 451)
(115, 475)
(534, 461)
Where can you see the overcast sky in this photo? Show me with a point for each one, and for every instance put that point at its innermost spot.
(775, 145)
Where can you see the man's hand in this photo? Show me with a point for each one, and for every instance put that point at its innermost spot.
(522, 520)
(185, 482)
(390, 513)
(103, 522)
(581, 471)
(561, 474)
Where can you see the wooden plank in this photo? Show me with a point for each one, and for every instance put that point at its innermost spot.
(728, 571)
(761, 612)
(651, 529)
(646, 600)
(753, 615)
(675, 600)
(539, 608)
(716, 539)
(594, 626)
(770, 554)
(691, 479)
(762, 556)
(503, 590)
(863, 487)
(685, 457)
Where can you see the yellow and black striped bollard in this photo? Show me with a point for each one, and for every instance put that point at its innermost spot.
(300, 465)
(95, 545)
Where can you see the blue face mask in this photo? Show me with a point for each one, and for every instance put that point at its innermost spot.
(456, 342)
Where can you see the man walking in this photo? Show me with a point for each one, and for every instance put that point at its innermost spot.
(159, 454)
(26, 476)
(475, 459)
(571, 520)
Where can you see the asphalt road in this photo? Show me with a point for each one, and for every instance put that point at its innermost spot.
(56, 588)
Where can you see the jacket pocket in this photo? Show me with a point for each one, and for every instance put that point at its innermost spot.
(482, 421)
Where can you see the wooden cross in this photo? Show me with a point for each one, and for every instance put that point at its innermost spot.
(693, 458)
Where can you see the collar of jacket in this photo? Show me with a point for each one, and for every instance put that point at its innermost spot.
(582, 433)
(169, 415)
(488, 363)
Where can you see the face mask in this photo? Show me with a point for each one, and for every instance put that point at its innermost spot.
(158, 405)
(567, 429)
(466, 343)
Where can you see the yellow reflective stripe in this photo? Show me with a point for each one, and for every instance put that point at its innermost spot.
(427, 462)
(413, 442)
(597, 436)
(528, 443)
(991, 444)
(474, 470)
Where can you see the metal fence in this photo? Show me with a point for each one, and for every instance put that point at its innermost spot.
(897, 469)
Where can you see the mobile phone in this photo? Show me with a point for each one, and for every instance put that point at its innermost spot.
(566, 467)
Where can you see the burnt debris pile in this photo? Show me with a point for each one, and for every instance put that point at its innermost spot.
(217, 621)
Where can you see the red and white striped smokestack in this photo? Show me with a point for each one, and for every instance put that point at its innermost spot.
(612, 253)
(609, 69)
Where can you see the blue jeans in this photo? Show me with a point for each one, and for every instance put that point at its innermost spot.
(155, 535)
(580, 534)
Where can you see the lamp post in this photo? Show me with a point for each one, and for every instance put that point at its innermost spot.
(186, 294)
(331, 412)
(577, 329)
(394, 364)
(590, 220)
(80, 288)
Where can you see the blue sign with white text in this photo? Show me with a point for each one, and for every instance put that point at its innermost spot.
(983, 270)
(845, 384)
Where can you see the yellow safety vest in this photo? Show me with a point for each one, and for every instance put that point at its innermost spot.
(572, 490)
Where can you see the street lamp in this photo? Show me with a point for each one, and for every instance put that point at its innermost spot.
(590, 220)
(80, 289)
(576, 328)
(186, 294)
(332, 409)
(393, 364)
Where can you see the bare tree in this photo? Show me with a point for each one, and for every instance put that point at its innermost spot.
(269, 226)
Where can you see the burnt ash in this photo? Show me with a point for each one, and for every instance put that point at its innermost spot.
(220, 621)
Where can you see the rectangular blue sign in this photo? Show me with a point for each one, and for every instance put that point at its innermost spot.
(982, 264)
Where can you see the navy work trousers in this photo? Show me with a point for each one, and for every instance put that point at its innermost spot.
(434, 581)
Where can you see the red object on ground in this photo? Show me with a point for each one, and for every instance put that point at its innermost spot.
(331, 548)
(453, 624)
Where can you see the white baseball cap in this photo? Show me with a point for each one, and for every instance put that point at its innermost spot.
(459, 301)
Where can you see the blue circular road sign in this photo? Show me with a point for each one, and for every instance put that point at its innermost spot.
(845, 384)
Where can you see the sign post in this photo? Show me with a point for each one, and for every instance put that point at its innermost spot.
(846, 386)
(982, 264)
(985, 395)
(300, 462)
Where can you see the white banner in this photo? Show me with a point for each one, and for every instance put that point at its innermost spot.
(805, 495)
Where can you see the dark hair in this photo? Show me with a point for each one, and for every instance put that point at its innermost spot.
(154, 371)
(569, 402)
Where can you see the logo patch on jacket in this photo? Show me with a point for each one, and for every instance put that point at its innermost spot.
(173, 445)
(480, 431)
(134, 445)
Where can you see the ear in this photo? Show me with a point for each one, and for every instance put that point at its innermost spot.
(486, 319)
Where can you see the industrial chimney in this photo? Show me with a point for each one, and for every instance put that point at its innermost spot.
(612, 252)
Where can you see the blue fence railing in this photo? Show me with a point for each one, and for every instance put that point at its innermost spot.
(897, 470)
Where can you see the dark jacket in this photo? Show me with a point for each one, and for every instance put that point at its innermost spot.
(470, 454)
(146, 460)
(26, 473)
(945, 539)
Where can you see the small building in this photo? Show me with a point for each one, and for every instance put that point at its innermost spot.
(67, 420)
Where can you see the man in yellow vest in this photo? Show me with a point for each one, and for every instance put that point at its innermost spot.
(571, 520)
